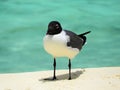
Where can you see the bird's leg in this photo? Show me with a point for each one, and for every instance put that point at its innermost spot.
(54, 64)
(69, 65)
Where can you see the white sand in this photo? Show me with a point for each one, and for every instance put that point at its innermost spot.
(83, 79)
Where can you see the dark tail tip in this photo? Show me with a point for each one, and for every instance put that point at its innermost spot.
(84, 33)
(87, 32)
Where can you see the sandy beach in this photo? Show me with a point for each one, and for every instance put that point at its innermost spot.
(106, 78)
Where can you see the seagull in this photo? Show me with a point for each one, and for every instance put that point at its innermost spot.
(62, 43)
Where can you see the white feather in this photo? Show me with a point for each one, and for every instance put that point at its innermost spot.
(56, 45)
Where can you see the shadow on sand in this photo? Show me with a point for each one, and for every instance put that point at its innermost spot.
(74, 75)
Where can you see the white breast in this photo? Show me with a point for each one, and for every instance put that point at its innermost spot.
(56, 45)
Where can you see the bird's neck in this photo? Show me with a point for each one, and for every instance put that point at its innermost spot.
(53, 32)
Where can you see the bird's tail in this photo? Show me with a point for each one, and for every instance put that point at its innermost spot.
(84, 37)
(84, 33)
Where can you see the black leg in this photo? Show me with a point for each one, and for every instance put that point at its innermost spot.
(69, 65)
(54, 64)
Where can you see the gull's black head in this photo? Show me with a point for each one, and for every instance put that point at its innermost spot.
(54, 27)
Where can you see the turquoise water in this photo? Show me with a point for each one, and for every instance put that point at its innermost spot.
(23, 24)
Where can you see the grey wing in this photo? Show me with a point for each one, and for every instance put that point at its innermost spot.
(75, 40)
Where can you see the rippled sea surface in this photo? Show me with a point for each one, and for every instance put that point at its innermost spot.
(23, 24)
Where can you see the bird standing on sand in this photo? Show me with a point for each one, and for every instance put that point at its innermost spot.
(63, 43)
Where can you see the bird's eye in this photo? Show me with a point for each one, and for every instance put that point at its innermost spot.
(57, 26)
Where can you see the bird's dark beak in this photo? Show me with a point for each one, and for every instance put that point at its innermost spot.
(50, 30)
